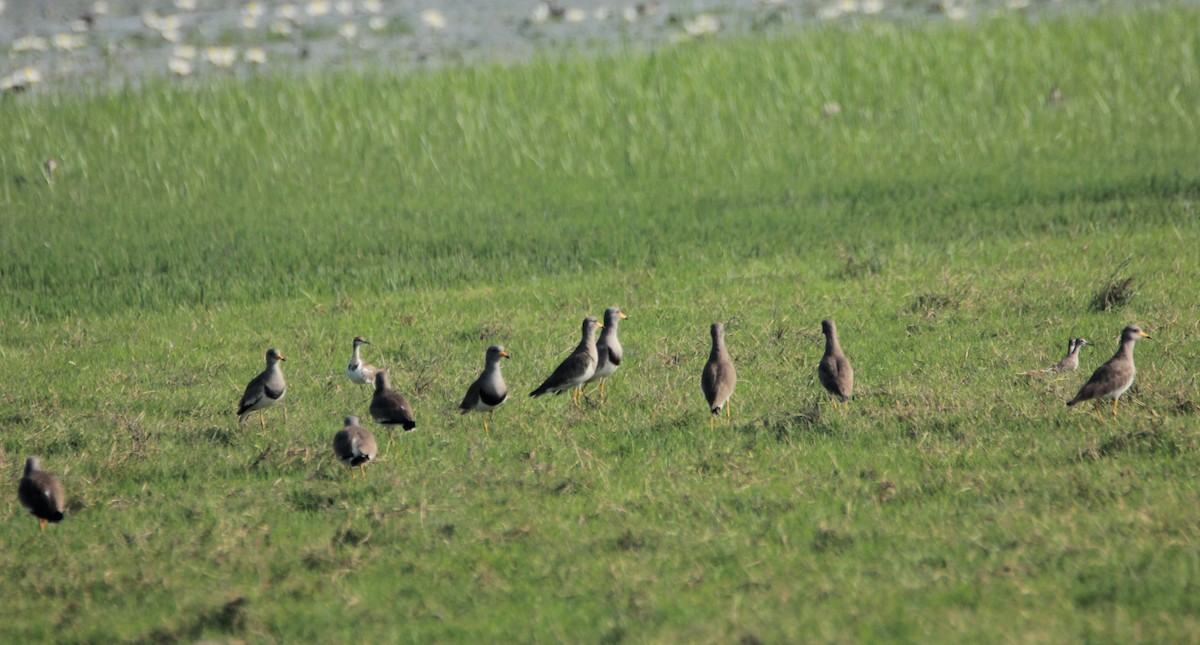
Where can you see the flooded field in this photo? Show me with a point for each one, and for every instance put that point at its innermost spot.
(120, 42)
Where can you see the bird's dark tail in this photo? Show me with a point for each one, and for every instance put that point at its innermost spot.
(55, 517)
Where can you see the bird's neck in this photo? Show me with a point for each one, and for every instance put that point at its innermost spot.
(831, 343)
(354, 358)
(1126, 349)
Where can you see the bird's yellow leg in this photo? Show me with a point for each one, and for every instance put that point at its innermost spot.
(712, 422)
(262, 420)
(1115, 407)
(583, 389)
(42, 524)
(728, 409)
(602, 387)
(486, 431)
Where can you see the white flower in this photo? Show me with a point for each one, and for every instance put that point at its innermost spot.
(955, 12)
(317, 8)
(287, 11)
(281, 28)
(100, 7)
(575, 14)
(372, 6)
(223, 57)
(601, 13)
(434, 18)
(630, 14)
(872, 7)
(179, 66)
(30, 44)
(185, 5)
(172, 35)
(186, 52)
(344, 7)
(377, 23)
(829, 12)
(702, 25)
(256, 55)
(540, 14)
(249, 22)
(348, 30)
(69, 42)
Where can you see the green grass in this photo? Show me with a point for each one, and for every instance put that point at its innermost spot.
(955, 224)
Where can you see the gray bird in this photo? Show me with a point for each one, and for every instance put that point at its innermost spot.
(489, 391)
(388, 406)
(1070, 362)
(354, 445)
(577, 368)
(41, 493)
(718, 378)
(834, 370)
(1114, 377)
(608, 349)
(358, 371)
(264, 390)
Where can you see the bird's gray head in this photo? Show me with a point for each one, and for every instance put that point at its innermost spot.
(612, 315)
(717, 330)
(1133, 332)
(1080, 342)
(32, 464)
(590, 325)
(273, 356)
(496, 352)
(381, 380)
(359, 340)
(350, 421)
(828, 328)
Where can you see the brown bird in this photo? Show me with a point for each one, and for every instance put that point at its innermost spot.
(608, 349)
(264, 390)
(489, 391)
(718, 378)
(41, 493)
(834, 370)
(1114, 377)
(356, 370)
(389, 407)
(354, 445)
(577, 368)
(1070, 362)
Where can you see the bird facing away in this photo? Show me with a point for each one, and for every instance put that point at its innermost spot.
(41, 493)
(1070, 362)
(718, 378)
(388, 406)
(608, 349)
(489, 391)
(354, 445)
(577, 368)
(834, 370)
(358, 371)
(264, 390)
(1111, 379)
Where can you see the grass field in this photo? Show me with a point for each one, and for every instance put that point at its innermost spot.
(954, 221)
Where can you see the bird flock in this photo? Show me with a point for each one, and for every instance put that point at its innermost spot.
(590, 362)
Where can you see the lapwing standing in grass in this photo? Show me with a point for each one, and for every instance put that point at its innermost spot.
(1070, 362)
(358, 371)
(354, 445)
(577, 368)
(718, 378)
(264, 390)
(834, 370)
(608, 349)
(489, 391)
(1114, 377)
(389, 407)
(41, 493)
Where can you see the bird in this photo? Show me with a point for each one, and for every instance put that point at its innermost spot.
(354, 445)
(608, 349)
(718, 378)
(41, 493)
(1114, 377)
(358, 371)
(389, 407)
(834, 370)
(1070, 362)
(489, 391)
(264, 390)
(577, 368)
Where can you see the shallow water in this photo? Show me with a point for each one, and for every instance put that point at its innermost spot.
(120, 42)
